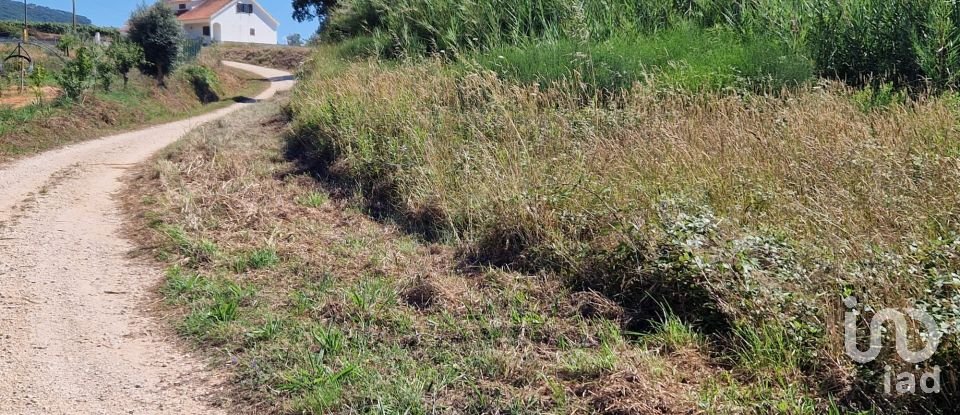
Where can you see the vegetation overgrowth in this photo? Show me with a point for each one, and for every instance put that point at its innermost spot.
(909, 42)
(639, 207)
(78, 79)
(13, 28)
(744, 165)
(96, 93)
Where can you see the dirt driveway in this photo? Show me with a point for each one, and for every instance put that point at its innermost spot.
(74, 334)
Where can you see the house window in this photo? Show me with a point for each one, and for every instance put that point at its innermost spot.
(206, 30)
(253, 32)
(245, 8)
(182, 6)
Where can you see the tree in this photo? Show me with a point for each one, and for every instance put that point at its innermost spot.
(306, 10)
(37, 78)
(67, 42)
(105, 70)
(158, 33)
(294, 40)
(125, 55)
(77, 75)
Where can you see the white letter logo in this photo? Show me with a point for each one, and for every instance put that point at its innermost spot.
(931, 336)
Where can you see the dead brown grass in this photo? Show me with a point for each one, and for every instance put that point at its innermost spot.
(288, 58)
(421, 334)
(737, 212)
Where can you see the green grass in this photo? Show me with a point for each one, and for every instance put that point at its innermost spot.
(684, 57)
(34, 128)
(314, 199)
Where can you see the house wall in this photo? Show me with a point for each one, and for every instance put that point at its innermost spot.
(194, 30)
(235, 27)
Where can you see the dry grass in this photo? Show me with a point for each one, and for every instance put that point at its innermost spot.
(735, 211)
(288, 58)
(355, 316)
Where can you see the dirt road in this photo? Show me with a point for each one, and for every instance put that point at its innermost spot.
(74, 336)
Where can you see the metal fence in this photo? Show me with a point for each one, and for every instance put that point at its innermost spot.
(190, 49)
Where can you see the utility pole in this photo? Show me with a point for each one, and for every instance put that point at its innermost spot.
(74, 17)
(23, 71)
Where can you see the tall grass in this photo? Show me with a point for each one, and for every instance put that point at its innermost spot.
(731, 210)
(684, 57)
(907, 42)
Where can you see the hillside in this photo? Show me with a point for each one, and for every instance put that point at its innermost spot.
(13, 10)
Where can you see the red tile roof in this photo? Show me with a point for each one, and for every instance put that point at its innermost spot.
(205, 10)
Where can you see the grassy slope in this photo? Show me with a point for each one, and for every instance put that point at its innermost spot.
(35, 129)
(749, 216)
(318, 309)
(288, 58)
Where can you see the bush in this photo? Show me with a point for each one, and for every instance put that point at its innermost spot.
(125, 56)
(158, 33)
(205, 82)
(78, 75)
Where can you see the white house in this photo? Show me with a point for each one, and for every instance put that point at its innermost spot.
(243, 21)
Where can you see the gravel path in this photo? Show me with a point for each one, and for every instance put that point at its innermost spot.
(75, 334)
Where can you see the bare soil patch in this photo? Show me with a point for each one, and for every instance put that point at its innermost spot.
(13, 98)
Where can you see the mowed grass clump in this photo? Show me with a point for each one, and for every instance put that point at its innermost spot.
(754, 213)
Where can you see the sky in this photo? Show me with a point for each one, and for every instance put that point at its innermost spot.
(115, 13)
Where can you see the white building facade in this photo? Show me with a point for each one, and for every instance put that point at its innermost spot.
(241, 21)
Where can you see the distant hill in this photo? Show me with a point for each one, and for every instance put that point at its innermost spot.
(13, 10)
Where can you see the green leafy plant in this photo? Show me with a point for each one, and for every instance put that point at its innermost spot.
(125, 56)
(105, 70)
(38, 77)
(160, 35)
(68, 42)
(205, 82)
(77, 76)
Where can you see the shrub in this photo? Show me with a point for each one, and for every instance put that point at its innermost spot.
(125, 56)
(66, 43)
(105, 69)
(37, 78)
(158, 33)
(78, 75)
(205, 82)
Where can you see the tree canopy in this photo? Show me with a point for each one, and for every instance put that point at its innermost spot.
(156, 30)
(306, 10)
